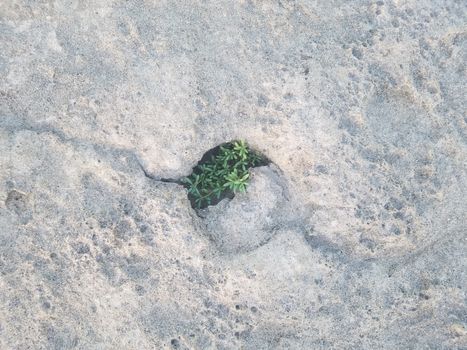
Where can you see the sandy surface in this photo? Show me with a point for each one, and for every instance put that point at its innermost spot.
(353, 238)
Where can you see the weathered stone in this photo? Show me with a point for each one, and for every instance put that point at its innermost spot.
(357, 242)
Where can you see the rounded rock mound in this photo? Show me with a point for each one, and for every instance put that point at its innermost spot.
(252, 218)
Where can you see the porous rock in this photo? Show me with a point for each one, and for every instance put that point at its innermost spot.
(360, 104)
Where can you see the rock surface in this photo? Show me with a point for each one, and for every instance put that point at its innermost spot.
(250, 220)
(361, 239)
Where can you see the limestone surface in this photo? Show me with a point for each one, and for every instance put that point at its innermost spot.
(354, 237)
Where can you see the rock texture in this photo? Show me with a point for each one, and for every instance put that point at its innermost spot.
(251, 219)
(357, 242)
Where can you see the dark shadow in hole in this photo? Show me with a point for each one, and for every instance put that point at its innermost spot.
(214, 152)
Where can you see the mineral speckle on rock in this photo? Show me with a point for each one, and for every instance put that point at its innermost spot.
(354, 237)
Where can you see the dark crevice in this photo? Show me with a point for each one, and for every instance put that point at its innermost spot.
(159, 179)
(254, 159)
(215, 151)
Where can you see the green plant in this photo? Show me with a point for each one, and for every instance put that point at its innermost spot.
(225, 171)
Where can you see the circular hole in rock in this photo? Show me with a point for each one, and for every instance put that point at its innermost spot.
(222, 171)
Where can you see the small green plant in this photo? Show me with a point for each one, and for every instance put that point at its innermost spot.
(224, 172)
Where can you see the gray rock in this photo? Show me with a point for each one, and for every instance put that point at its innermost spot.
(251, 219)
(358, 242)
